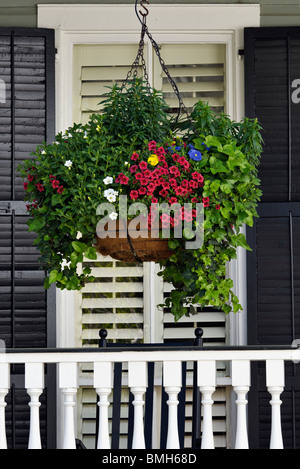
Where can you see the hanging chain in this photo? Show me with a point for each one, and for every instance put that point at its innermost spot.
(172, 82)
(140, 58)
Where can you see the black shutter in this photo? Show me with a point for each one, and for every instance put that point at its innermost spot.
(27, 311)
(272, 68)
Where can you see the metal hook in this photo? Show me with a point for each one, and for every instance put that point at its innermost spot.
(143, 6)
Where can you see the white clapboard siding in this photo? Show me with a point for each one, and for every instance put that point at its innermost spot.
(123, 297)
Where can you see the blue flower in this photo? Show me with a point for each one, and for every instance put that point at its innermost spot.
(172, 149)
(194, 154)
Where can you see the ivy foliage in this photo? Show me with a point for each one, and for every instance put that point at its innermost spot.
(230, 158)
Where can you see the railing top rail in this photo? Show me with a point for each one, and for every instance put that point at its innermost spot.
(148, 354)
(150, 348)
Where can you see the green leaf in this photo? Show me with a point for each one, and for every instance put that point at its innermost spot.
(240, 240)
(78, 246)
(36, 224)
(53, 276)
(172, 243)
(245, 217)
(226, 188)
(91, 253)
(216, 165)
(215, 185)
(73, 258)
(56, 198)
(46, 283)
(224, 212)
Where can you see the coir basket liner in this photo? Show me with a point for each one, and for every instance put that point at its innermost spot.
(119, 245)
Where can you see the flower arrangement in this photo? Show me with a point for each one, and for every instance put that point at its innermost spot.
(132, 148)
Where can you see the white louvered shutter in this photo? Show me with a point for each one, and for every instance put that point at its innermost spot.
(198, 71)
(123, 297)
(96, 67)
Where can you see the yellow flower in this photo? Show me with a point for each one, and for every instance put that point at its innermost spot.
(153, 160)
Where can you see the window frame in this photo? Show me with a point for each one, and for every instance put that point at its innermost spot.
(113, 24)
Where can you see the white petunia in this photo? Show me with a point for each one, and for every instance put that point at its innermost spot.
(108, 180)
(110, 194)
(68, 163)
(113, 215)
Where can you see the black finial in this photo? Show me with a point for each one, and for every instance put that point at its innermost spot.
(198, 333)
(103, 335)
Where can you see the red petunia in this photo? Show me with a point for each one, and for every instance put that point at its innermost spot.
(173, 182)
(142, 190)
(152, 145)
(30, 177)
(124, 179)
(25, 185)
(55, 183)
(160, 151)
(133, 168)
(205, 201)
(60, 189)
(175, 171)
(218, 207)
(172, 200)
(180, 191)
(135, 156)
(193, 184)
(134, 194)
(40, 187)
(143, 165)
(151, 188)
(197, 176)
(163, 193)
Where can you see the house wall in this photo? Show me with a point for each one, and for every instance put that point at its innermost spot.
(23, 13)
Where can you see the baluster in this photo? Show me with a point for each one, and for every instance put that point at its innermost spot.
(207, 384)
(34, 384)
(172, 381)
(240, 372)
(275, 385)
(138, 382)
(4, 387)
(103, 386)
(68, 382)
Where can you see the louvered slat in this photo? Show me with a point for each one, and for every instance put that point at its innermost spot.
(98, 66)
(198, 71)
(114, 300)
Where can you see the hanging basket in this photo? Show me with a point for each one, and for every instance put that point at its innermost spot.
(124, 247)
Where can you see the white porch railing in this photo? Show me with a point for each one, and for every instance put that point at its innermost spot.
(68, 364)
